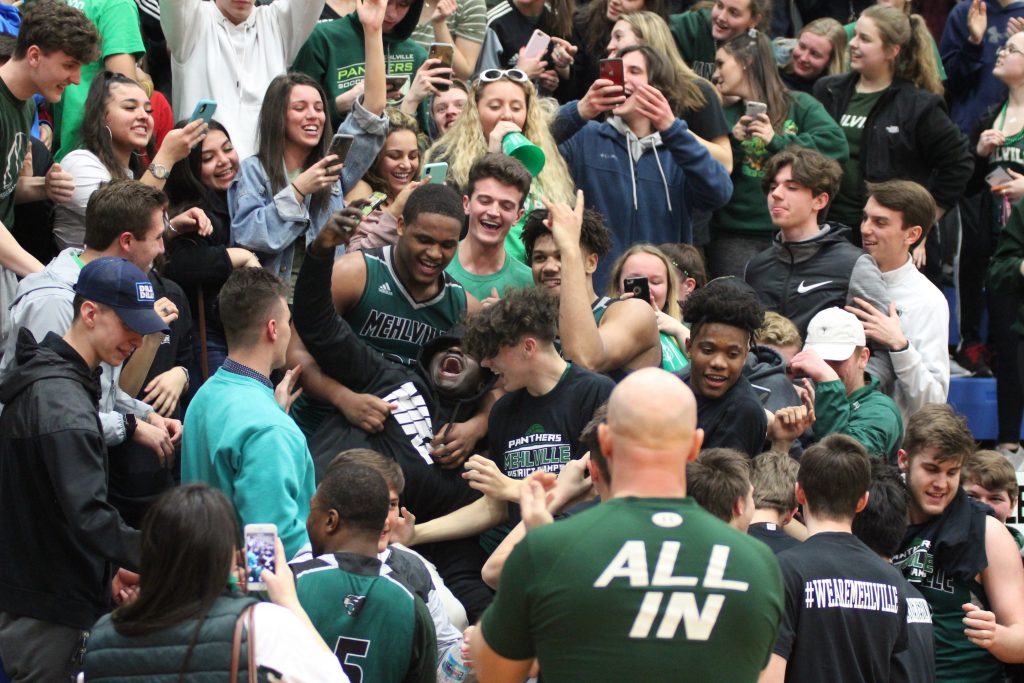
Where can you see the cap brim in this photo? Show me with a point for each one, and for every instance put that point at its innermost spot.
(142, 321)
(832, 351)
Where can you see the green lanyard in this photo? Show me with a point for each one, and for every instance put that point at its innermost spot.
(1012, 139)
(78, 260)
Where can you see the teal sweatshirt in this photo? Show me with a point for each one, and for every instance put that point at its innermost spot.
(807, 125)
(868, 415)
(239, 441)
(334, 53)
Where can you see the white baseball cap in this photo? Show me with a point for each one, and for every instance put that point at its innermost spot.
(834, 334)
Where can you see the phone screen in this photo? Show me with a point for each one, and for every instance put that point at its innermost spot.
(639, 286)
(375, 199)
(340, 145)
(259, 554)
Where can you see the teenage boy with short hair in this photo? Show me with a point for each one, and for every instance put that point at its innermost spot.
(564, 246)
(988, 477)
(724, 317)
(962, 559)
(847, 399)
(846, 610)
(719, 480)
(497, 189)
(811, 265)
(773, 476)
(914, 328)
(61, 537)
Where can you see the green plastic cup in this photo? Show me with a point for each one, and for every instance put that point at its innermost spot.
(517, 146)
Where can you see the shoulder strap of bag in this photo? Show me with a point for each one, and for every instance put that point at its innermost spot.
(236, 644)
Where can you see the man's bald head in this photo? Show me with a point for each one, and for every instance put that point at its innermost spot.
(652, 423)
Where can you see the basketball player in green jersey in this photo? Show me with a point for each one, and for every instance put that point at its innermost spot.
(377, 628)
(397, 298)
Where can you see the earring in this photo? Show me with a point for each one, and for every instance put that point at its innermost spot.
(110, 133)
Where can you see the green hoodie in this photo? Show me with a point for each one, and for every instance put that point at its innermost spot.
(807, 125)
(692, 31)
(334, 53)
(868, 415)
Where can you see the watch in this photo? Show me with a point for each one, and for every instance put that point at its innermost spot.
(159, 171)
(131, 423)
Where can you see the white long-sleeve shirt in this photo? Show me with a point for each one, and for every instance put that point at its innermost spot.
(213, 59)
(922, 369)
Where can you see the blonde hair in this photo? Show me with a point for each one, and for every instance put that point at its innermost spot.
(651, 29)
(779, 330)
(464, 143)
(832, 31)
(671, 296)
(916, 60)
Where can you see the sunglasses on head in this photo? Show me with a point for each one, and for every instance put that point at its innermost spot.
(491, 75)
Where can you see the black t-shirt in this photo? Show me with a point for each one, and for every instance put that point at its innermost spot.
(708, 121)
(845, 615)
(735, 420)
(528, 433)
(773, 536)
(916, 664)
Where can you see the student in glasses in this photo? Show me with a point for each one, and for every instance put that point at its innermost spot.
(501, 102)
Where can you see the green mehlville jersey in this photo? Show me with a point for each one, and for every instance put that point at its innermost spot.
(639, 589)
(391, 321)
(379, 630)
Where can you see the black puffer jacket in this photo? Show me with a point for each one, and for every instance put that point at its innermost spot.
(908, 135)
(798, 279)
(59, 534)
(430, 491)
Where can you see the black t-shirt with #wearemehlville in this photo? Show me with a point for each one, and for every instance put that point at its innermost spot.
(845, 615)
(917, 663)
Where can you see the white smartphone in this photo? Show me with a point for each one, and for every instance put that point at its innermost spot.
(538, 44)
(260, 542)
(998, 177)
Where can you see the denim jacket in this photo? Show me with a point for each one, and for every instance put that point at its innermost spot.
(269, 223)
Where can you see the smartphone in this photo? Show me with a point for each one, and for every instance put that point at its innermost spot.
(611, 70)
(396, 83)
(340, 144)
(998, 177)
(445, 52)
(375, 199)
(755, 109)
(538, 44)
(260, 541)
(436, 172)
(639, 286)
(204, 110)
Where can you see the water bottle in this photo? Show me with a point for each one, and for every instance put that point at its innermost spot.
(453, 670)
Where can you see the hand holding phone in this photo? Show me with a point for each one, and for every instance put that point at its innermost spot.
(437, 173)
(611, 70)
(639, 287)
(373, 201)
(340, 145)
(260, 553)
(445, 54)
(755, 109)
(998, 178)
(204, 110)
(538, 45)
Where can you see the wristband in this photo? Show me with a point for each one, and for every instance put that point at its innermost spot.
(301, 193)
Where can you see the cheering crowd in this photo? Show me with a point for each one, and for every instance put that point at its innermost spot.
(570, 341)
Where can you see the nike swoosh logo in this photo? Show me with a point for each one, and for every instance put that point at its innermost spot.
(803, 289)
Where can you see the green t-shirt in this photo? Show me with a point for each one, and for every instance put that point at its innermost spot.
(16, 118)
(391, 321)
(639, 589)
(118, 24)
(513, 275)
(378, 629)
(848, 206)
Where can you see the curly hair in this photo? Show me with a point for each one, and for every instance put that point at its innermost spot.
(464, 143)
(594, 237)
(397, 121)
(727, 301)
(522, 312)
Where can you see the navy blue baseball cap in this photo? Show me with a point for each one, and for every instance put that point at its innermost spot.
(118, 283)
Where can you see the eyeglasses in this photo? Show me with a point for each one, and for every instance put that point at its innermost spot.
(1008, 50)
(491, 75)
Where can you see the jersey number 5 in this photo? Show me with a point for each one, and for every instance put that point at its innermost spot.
(348, 648)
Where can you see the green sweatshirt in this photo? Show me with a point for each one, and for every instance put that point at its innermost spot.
(807, 125)
(334, 54)
(1004, 275)
(868, 415)
(692, 31)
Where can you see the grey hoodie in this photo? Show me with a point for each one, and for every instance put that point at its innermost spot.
(43, 304)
